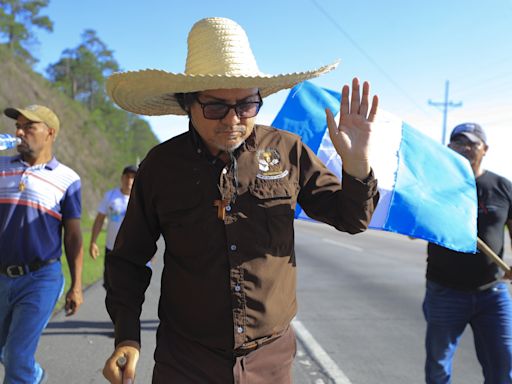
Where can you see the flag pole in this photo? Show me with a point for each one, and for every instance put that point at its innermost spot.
(494, 257)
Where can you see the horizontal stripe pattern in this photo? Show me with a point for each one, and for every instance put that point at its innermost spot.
(31, 218)
(44, 188)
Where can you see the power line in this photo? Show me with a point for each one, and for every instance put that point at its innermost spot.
(445, 104)
(367, 56)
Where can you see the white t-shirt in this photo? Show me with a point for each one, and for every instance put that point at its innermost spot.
(113, 206)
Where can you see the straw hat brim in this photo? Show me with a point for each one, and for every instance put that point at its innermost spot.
(151, 92)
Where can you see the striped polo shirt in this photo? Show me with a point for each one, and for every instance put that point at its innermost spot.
(34, 201)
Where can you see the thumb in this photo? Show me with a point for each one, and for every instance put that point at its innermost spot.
(331, 123)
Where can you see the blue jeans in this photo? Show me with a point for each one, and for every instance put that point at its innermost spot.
(26, 305)
(488, 312)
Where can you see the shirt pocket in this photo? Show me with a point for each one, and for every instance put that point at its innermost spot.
(182, 222)
(275, 204)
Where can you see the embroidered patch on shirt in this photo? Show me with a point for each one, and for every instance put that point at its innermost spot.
(269, 163)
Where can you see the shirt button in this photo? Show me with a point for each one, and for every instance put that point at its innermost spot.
(228, 208)
(237, 288)
(240, 329)
(233, 247)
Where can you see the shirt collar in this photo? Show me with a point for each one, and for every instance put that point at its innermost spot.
(51, 165)
(250, 142)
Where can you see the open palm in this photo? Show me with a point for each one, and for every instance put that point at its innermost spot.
(351, 136)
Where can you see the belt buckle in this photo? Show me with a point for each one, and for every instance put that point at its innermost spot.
(14, 271)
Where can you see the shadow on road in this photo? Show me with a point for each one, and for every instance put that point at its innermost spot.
(84, 327)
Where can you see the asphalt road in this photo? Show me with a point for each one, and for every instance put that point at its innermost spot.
(359, 299)
(360, 296)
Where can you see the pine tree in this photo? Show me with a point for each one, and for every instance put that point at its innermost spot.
(17, 19)
(81, 71)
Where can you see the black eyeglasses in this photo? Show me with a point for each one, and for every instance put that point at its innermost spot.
(218, 111)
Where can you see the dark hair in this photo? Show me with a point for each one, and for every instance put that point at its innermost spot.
(185, 100)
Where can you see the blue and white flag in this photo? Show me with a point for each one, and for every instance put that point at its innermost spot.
(427, 190)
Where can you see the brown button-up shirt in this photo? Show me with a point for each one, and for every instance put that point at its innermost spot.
(229, 276)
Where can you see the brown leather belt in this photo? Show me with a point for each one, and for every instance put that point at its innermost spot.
(20, 270)
(254, 345)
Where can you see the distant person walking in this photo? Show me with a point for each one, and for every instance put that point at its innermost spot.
(40, 206)
(465, 289)
(113, 207)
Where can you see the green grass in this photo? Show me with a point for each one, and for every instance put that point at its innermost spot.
(92, 269)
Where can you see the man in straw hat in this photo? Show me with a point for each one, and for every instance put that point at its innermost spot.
(40, 207)
(223, 197)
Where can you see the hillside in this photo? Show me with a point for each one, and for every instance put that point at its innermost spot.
(87, 143)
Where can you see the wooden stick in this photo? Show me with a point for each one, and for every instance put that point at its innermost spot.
(489, 252)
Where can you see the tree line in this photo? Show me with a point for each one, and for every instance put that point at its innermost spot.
(79, 73)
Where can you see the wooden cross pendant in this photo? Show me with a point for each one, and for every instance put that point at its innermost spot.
(221, 208)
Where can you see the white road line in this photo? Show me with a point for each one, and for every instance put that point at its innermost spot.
(344, 245)
(319, 354)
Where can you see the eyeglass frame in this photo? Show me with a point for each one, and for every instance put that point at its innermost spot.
(230, 107)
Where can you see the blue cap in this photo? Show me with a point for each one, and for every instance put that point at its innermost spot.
(472, 131)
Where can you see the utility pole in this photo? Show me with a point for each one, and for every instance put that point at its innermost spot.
(445, 106)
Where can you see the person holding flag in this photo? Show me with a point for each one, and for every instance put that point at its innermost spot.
(223, 196)
(465, 288)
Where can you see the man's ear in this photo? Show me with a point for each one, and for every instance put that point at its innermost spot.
(52, 132)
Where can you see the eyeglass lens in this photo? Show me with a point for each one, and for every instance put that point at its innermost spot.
(216, 111)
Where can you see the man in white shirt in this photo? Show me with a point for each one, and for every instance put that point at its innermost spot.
(113, 207)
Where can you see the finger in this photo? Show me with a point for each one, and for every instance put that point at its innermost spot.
(355, 100)
(331, 123)
(129, 371)
(112, 372)
(70, 308)
(363, 109)
(344, 107)
(373, 110)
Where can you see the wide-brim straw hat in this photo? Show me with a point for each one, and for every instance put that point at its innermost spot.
(219, 57)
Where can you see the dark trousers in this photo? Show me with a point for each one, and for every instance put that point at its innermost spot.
(269, 364)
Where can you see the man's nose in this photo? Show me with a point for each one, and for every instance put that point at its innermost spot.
(231, 117)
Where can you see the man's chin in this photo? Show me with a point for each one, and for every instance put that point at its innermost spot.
(23, 150)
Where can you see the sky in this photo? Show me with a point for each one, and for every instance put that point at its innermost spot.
(408, 50)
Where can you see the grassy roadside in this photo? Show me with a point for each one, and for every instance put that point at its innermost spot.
(92, 269)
